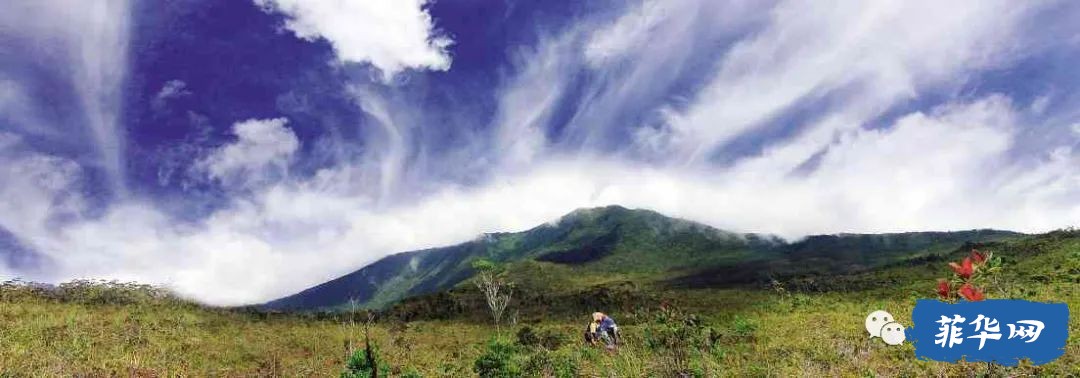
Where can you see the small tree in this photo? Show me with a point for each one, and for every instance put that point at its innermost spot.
(499, 360)
(365, 363)
(497, 291)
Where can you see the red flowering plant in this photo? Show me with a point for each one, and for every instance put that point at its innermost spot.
(969, 277)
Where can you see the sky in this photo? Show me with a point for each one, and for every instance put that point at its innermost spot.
(240, 151)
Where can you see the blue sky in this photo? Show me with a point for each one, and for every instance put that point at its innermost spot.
(237, 151)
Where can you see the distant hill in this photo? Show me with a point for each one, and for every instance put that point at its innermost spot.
(615, 241)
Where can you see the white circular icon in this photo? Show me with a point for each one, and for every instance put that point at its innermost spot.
(892, 333)
(875, 320)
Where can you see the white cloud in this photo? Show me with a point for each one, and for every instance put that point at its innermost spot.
(393, 35)
(172, 89)
(637, 58)
(17, 108)
(873, 49)
(35, 191)
(389, 158)
(262, 150)
(629, 31)
(1038, 106)
(11, 97)
(86, 43)
(526, 102)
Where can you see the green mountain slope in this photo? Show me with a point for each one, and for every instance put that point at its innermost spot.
(609, 244)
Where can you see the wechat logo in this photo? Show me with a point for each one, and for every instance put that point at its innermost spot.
(882, 324)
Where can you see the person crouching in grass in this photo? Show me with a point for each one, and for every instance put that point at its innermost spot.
(602, 329)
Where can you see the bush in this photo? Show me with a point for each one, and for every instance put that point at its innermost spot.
(400, 332)
(360, 365)
(548, 364)
(672, 329)
(743, 326)
(498, 360)
(675, 337)
(527, 337)
(548, 338)
(552, 339)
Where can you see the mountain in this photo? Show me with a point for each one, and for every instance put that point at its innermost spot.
(592, 245)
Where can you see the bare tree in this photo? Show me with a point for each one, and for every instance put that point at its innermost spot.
(497, 291)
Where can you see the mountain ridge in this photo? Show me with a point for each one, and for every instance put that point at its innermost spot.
(614, 239)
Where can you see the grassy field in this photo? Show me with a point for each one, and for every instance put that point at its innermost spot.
(810, 326)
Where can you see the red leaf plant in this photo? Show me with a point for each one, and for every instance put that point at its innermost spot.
(979, 257)
(944, 290)
(971, 293)
(966, 273)
(965, 269)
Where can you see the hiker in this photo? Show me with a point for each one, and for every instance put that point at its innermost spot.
(605, 330)
(590, 333)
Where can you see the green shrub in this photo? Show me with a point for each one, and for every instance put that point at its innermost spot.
(527, 337)
(549, 339)
(675, 338)
(672, 329)
(498, 360)
(743, 326)
(361, 366)
(548, 364)
(552, 339)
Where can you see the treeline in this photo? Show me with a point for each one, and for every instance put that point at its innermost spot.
(528, 305)
(91, 292)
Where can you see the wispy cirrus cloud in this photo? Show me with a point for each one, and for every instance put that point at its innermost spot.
(171, 90)
(85, 45)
